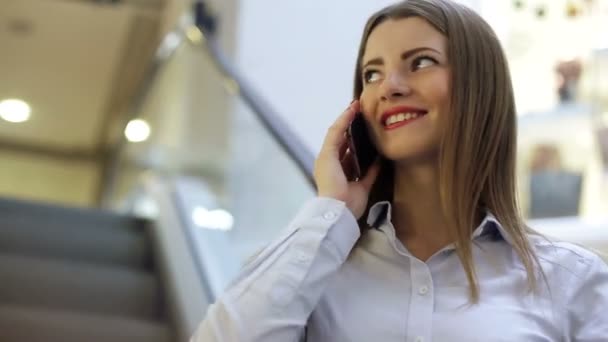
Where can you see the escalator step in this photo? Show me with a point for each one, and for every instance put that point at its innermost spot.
(73, 233)
(81, 287)
(18, 324)
(41, 211)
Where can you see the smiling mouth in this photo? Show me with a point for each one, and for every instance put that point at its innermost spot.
(401, 119)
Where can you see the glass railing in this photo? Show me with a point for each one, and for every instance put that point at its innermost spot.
(239, 172)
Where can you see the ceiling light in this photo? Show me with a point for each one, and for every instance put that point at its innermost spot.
(213, 219)
(137, 130)
(15, 110)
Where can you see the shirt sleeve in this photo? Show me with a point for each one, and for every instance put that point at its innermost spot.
(588, 305)
(273, 297)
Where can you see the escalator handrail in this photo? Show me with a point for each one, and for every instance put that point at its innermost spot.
(293, 146)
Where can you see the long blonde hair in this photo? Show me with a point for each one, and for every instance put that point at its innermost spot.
(478, 152)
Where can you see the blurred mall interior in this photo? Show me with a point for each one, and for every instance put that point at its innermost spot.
(148, 147)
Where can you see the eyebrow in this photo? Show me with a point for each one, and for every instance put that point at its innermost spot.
(407, 54)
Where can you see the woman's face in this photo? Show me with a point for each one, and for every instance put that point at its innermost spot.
(406, 88)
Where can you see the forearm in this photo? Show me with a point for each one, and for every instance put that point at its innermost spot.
(277, 291)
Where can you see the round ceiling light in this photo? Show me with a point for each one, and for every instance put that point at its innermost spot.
(15, 110)
(137, 130)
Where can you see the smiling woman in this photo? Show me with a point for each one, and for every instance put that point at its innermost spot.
(461, 152)
(440, 251)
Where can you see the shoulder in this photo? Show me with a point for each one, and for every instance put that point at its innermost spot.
(566, 257)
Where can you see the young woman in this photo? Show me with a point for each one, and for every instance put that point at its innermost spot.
(440, 252)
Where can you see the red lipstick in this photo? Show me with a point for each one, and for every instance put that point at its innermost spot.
(398, 110)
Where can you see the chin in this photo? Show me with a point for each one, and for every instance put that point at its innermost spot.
(411, 152)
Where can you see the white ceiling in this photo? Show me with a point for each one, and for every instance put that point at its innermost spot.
(76, 63)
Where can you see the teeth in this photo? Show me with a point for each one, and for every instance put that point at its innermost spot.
(401, 117)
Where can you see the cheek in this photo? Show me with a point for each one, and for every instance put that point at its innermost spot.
(436, 89)
(442, 90)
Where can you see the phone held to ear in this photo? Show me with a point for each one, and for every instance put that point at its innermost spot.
(362, 149)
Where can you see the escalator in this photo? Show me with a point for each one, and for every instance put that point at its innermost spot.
(72, 274)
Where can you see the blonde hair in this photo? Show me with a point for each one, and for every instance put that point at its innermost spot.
(478, 152)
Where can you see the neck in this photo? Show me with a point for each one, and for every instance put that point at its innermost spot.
(419, 220)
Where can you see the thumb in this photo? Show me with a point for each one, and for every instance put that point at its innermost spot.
(370, 178)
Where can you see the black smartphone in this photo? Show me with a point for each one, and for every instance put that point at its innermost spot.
(361, 146)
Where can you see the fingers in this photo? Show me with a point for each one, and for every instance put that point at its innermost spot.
(335, 137)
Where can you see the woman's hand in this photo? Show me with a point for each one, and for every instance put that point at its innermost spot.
(335, 161)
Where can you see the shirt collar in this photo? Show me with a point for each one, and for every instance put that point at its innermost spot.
(380, 214)
(491, 226)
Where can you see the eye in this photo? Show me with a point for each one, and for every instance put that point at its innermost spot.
(370, 76)
(423, 62)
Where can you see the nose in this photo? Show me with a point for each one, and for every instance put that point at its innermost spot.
(394, 87)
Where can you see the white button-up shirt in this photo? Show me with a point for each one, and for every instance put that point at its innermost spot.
(323, 282)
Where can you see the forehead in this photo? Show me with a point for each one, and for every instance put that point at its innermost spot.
(399, 35)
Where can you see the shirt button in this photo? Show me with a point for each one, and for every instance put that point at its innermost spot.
(423, 291)
(330, 215)
(419, 339)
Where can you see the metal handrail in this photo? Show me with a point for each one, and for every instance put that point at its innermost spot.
(203, 33)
